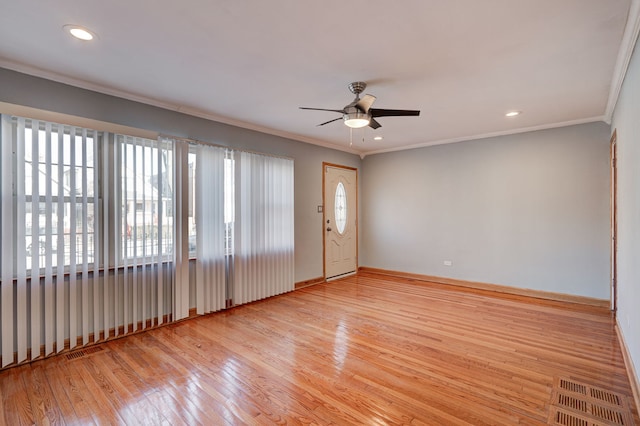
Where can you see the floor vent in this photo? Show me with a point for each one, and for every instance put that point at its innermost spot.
(567, 419)
(572, 386)
(580, 404)
(84, 352)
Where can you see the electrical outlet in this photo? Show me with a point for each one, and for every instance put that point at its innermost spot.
(447, 263)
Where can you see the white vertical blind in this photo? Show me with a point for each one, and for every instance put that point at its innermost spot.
(60, 259)
(87, 245)
(108, 306)
(49, 301)
(21, 273)
(181, 207)
(263, 230)
(73, 289)
(94, 233)
(9, 328)
(210, 225)
(59, 228)
(119, 237)
(166, 157)
(33, 164)
(47, 212)
(145, 230)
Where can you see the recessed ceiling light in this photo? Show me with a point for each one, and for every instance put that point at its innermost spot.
(79, 32)
(513, 113)
(377, 138)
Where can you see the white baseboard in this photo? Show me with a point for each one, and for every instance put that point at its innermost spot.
(628, 363)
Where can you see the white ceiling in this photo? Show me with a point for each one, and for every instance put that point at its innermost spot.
(463, 63)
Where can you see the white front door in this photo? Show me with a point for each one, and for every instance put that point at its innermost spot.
(340, 220)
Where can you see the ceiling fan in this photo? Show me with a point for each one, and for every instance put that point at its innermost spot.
(359, 112)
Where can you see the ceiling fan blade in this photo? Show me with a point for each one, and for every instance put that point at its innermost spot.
(330, 121)
(375, 112)
(374, 124)
(323, 109)
(365, 103)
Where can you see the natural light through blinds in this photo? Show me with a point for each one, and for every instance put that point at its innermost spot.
(263, 229)
(105, 234)
(51, 186)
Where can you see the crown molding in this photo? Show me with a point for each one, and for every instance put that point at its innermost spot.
(489, 135)
(629, 38)
(106, 90)
(632, 29)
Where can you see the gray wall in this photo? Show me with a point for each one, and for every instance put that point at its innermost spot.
(21, 89)
(528, 210)
(626, 121)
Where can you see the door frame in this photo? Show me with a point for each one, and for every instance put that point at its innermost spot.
(614, 219)
(324, 215)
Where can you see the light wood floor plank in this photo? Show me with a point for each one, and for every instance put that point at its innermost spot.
(367, 349)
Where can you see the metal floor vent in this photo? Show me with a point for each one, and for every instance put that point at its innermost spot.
(580, 404)
(84, 352)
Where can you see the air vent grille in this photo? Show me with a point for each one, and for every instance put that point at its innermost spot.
(567, 419)
(84, 352)
(581, 404)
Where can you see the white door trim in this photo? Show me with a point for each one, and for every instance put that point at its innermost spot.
(614, 220)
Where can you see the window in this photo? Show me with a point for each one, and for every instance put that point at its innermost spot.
(58, 192)
(89, 223)
(192, 202)
(263, 227)
(146, 174)
(341, 207)
(229, 200)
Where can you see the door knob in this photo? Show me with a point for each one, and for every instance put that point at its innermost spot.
(328, 229)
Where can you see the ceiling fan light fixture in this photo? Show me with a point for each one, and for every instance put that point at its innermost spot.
(356, 119)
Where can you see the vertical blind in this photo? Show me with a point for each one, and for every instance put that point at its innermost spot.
(264, 239)
(49, 222)
(86, 239)
(210, 229)
(97, 232)
(145, 229)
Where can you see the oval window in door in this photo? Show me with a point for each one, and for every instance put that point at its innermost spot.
(341, 207)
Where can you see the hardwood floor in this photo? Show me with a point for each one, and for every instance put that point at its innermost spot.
(366, 349)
